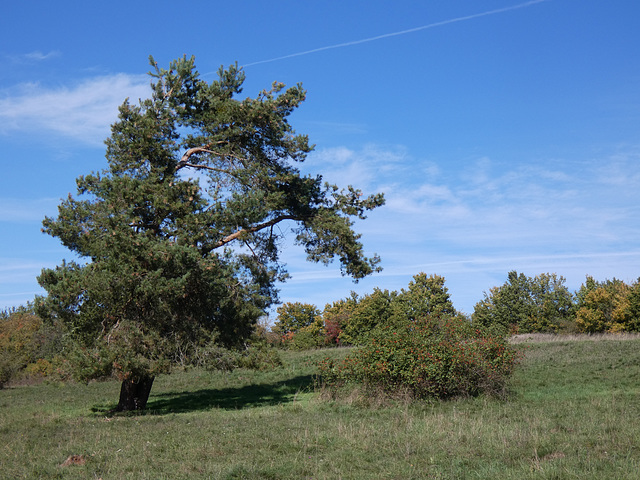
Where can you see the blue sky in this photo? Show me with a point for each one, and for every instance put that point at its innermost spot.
(504, 133)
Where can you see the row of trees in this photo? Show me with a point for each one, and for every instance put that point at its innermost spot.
(522, 304)
(411, 343)
(544, 304)
(349, 321)
(31, 347)
(412, 320)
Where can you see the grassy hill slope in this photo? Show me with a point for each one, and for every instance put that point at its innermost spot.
(574, 413)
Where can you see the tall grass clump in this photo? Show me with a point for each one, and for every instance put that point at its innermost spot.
(433, 357)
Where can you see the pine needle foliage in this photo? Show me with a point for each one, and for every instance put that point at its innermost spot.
(178, 239)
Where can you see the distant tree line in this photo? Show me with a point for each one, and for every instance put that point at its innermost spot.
(31, 349)
(522, 304)
(544, 304)
(350, 321)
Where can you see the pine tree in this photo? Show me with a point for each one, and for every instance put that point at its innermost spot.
(178, 238)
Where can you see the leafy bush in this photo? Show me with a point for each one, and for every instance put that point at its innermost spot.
(425, 296)
(350, 321)
(307, 338)
(369, 311)
(10, 364)
(292, 316)
(216, 357)
(432, 357)
(260, 357)
(28, 347)
(299, 326)
(41, 368)
(610, 306)
(336, 316)
(527, 304)
(256, 356)
(633, 308)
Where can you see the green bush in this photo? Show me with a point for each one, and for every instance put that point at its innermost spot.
(27, 345)
(350, 321)
(292, 316)
(260, 357)
(10, 364)
(216, 357)
(370, 310)
(611, 306)
(307, 338)
(336, 316)
(527, 304)
(432, 357)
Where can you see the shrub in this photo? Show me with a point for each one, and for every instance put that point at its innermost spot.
(216, 357)
(10, 364)
(25, 341)
(633, 308)
(256, 356)
(260, 357)
(257, 353)
(350, 321)
(336, 317)
(432, 357)
(606, 306)
(307, 338)
(292, 316)
(527, 304)
(332, 331)
(371, 310)
(425, 296)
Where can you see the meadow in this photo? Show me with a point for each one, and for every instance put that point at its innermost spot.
(573, 412)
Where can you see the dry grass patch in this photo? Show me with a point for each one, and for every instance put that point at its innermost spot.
(577, 337)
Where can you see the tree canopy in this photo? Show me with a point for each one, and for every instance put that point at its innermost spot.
(350, 321)
(527, 304)
(293, 316)
(178, 239)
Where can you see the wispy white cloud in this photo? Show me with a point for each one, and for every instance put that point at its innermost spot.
(363, 168)
(83, 111)
(39, 56)
(16, 273)
(475, 221)
(32, 57)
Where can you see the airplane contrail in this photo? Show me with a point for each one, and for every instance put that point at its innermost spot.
(403, 32)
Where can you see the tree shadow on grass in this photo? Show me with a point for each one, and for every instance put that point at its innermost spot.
(249, 396)
(229, 398)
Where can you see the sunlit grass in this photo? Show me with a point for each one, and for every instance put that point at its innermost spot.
(573, 413)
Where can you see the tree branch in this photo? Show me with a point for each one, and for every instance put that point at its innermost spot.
(192, 151)
(206, 167)
(184, 161)
(255, 228)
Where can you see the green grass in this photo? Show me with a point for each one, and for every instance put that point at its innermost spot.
(574, 413)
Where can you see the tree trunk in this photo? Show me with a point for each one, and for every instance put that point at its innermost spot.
(134, 395)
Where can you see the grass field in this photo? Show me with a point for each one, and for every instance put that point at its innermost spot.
(574, 414)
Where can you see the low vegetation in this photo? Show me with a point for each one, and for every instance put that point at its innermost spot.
(431, 357)
(572, 413)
